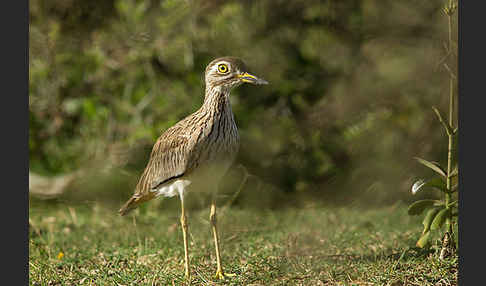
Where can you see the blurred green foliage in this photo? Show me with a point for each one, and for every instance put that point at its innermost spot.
(347, 109)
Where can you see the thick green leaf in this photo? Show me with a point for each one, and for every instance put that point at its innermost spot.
(419, 206)
(435, 183)
(440, 218)
(432, 165)
(423, 239)
(429, 217)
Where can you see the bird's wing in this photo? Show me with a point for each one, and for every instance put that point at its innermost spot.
(171, 158)
(168, 160)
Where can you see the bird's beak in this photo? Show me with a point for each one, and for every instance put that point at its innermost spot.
(249, 78)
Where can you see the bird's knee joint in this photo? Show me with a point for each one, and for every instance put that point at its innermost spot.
(212, 215)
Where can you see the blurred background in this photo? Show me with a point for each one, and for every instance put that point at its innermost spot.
(348, 106)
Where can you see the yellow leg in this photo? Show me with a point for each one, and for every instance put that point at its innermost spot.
(184, 234)
(212, 218)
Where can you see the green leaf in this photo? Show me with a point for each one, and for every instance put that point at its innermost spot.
(419, 206)
(423, 239)
(89, 108)
(429, 217)
(432, 165)
(440, 218)
(435, 183)
(453, 204)
(454, 172)
(454, 188)
(447, 127)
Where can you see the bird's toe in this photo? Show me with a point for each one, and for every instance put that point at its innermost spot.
(220, 275)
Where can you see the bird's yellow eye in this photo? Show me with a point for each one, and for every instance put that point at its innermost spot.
(222, 68)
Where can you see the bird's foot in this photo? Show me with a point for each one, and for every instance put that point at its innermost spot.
(220, 275)
(187, 277)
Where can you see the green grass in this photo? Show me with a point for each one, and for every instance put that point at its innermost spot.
(305, 246)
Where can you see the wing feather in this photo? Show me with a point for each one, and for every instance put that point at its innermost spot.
(169, 160)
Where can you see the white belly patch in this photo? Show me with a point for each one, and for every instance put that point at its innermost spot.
(173, 188)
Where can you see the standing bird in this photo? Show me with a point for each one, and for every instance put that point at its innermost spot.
(198, 150)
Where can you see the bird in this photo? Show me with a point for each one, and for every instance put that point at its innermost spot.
(196, 152)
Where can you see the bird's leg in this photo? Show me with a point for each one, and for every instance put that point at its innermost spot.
(184, 234)
(212, 218)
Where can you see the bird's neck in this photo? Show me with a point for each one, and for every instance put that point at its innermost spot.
(217, 99)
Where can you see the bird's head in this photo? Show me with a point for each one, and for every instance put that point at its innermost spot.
(228, 72)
